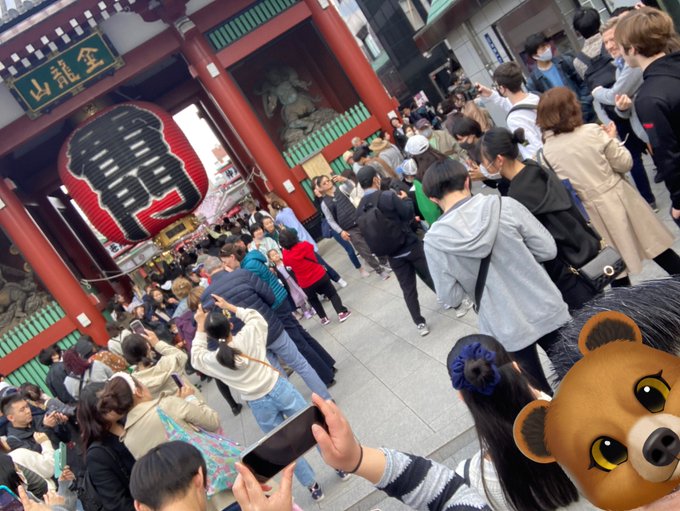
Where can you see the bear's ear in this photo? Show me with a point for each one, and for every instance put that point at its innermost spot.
(529, 432)
(606, 327)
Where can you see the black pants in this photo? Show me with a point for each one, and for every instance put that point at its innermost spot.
(669, 261)
(324, 287)
(528, 360)
(406, 269)
(320, 360)
(226, 393)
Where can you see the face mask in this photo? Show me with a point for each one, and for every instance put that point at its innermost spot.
(488, 174)
(467, 145)
(546, 56)
(427, 133)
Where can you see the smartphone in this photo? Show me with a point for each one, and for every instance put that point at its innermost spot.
(137, 327)
(9, 501)
(59, 460)
(178, 380)
(284, 444)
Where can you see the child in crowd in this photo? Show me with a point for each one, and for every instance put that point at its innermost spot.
(288, 280)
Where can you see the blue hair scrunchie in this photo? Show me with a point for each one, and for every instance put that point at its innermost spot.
(474, 351)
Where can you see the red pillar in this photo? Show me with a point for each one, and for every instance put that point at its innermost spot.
(353, 61)
(239, 114)
(45, 261)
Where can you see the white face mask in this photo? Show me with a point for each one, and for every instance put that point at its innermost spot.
(427, 132)
(546, 56)
(488, 174)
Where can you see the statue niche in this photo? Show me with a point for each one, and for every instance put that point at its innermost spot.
(19, 298)
(298, 108)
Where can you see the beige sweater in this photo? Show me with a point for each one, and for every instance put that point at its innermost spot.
(251, 378)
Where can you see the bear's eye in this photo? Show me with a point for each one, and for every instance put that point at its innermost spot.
(652, 393)
(607, 454)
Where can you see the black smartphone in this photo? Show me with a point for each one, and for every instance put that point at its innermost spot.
(284, 444)
(178, 380)
(9, 501)
(137, 327)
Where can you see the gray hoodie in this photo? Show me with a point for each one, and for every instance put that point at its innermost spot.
(520, 303)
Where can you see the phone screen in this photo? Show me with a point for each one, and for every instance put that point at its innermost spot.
(9, 501)
(283, 445)
(59, 460)
(178, 380)
(137, 327)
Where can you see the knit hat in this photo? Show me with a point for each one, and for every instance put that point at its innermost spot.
(416, 145)
(378, 144)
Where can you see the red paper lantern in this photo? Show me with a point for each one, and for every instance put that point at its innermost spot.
(132, 171)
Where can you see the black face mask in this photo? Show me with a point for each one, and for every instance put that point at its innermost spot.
(467, 145)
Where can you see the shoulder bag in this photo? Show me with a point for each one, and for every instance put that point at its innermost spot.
(484, 265)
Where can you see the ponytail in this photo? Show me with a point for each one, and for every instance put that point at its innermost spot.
(217, 326)
(501, 142)
(116, 397)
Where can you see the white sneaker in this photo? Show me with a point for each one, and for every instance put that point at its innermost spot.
(464, 307)
(342, 283)
(423, 330)
(364, 274)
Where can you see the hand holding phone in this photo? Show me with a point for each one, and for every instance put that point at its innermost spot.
(137, 327)
(177, 379)
(60, 460)
(284, 444)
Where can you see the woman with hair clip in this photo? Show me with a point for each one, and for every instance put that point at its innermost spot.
(240, 361)
(109, 463)
(155, 371)
(125, 397)
(542, 193)
(494, 389)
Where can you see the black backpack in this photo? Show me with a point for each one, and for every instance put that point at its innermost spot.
(383, 235)
(600, 71)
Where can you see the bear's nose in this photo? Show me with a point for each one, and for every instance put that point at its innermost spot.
(662, 447)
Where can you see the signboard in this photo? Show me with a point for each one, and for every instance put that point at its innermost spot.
(317, 165)
(65, 74)
(493, 48)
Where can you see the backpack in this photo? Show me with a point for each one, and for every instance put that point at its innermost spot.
(383, 235)
(521, 106)
(599, 72)
(85, 489)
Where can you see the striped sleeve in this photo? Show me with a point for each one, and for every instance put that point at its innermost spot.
(427, 486)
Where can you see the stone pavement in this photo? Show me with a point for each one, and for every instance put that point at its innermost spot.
(392, 384)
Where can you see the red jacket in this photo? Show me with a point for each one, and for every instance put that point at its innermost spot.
(302, 259)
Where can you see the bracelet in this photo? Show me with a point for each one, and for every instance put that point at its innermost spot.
(361, 458)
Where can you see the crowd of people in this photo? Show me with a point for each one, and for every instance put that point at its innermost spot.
(134, 427)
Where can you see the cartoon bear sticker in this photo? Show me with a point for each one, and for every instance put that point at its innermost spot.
(614, 423)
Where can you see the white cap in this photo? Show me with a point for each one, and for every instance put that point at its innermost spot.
(409, 167)
(417, 144)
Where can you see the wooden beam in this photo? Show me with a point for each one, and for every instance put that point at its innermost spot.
(263, 34)
(31, 348)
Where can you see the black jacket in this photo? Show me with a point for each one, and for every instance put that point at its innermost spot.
(245, 289)
(399, 211)
(109, 465)
(657, 104)
(55, 382)
(542, 193)
(23, 437)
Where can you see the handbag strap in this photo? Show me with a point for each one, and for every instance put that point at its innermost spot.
(484, 265)
(253, 359)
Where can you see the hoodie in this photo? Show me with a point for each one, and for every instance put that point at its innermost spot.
(520, 303)
(658, 106)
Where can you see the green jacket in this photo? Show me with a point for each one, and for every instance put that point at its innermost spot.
(428, 209)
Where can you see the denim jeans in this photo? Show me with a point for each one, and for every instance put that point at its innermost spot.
(348, 248)
(285, 348)
(271, 410)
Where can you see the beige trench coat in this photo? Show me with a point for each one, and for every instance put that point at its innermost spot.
(144, 430)
(596, 166)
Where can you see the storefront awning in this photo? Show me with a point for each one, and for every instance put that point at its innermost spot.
(444, 16)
